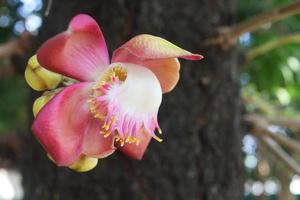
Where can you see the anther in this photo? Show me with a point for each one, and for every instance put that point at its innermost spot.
(159, 131)
(107, 134)
(158, 139)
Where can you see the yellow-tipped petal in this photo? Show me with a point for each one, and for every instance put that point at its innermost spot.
(50, 158)
(84, 164)
(41, 101)
(40, 78)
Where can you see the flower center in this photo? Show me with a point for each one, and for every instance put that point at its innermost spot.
(127, 99)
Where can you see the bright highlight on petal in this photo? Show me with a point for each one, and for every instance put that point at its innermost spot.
(127, 108)
(40, 78)
(84, 164)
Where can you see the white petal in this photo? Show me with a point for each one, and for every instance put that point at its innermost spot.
(140, 94)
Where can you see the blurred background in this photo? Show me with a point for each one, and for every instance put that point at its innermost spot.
(269, 78)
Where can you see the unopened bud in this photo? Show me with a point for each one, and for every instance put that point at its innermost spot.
(40, 78)
(41, 101)
(84, 164)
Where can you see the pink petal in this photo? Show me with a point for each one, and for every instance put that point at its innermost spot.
(155, 52)
(136, 151)
(95, 144)
(167, 71)
(152, 47)
(79, 53)
(61, 124)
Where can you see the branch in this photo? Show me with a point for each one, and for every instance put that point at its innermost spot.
(260, 104)
(290, 162)
(7, 70)
(48, 8)
(253, 53)
(228, 36)
(15, 46)
(11, 140)
(270, 139)
(260, 126)
(278, 120)
(265, 18)
(284, 122)
(284, 141)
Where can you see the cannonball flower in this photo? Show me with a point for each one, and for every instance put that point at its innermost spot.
(111, 105)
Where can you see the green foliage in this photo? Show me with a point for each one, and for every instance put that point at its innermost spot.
(276, 74)
(250, 8)
(13, 105)
(13, 89)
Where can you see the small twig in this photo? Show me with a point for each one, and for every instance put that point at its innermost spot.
(229, 35)
(259, 102)
(11, 140)
(261, 126)
(278, 120)
(286, 159)
(48, 8)
(261, 131)
(14, 46)
(265, 18)
(260, 50)
(269, 138)
(7, 70)
(284, 141)
(285, 122)
(9, 48)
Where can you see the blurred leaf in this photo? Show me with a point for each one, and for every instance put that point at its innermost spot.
(13, 95)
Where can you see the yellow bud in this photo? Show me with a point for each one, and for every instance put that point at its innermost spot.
(41, 101)
(40, 78)
(84, 164)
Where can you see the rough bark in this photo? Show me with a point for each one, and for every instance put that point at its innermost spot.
(200, 157)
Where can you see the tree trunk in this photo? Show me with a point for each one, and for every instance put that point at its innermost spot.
(200, 157)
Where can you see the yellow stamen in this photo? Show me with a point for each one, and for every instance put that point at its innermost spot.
(107, 134)
(97, 115)
(128, 140)
(117, 138)
(114, 119)
(137, 141)
(158, 139)
(102, 132)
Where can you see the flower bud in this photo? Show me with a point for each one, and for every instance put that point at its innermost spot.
(40, 78)
(84, 164)
(41, 101)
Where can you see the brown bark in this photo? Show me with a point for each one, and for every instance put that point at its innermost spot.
(200, 157)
